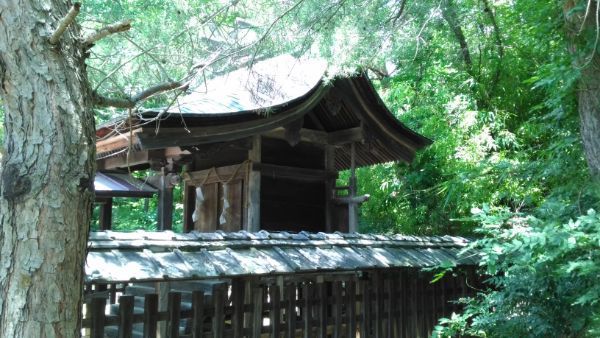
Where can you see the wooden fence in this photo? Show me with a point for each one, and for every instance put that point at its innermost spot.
(376, 303)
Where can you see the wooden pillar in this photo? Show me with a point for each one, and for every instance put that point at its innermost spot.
(253, 190)
(165, 202)
(329, 186)
(352, 206)
(189, 206)
(105, 217)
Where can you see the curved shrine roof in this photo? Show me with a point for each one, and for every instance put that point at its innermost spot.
(273, 94)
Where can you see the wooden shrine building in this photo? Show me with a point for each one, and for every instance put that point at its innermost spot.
(262, 148)
(270, 247)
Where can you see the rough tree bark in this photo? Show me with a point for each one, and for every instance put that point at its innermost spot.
(46, 172)
(589, 113)
(581, 26)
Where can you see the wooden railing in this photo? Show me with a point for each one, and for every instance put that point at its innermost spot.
(397, 303)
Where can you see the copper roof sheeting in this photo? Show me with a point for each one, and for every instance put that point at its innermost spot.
(149, 256)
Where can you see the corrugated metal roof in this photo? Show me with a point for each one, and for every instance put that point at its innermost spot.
(121, 185)
(147, 256)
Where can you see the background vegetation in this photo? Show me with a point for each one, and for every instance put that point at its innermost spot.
(493, 83)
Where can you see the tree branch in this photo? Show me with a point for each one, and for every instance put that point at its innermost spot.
(106, 31)
(104, 101)
(64, 23)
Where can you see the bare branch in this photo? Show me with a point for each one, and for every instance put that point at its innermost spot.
(104, 101)
(64, 23)
(121, 26)
(141, 96)
(159, 88)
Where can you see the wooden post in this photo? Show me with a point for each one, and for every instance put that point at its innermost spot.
(329, 186)
(352, 210)
(150, 315)
(290, 311)
(105, 218)
(98, 317)
(165, 202)
(237, 296)
(162, 289)
(197, 313)
(257, 311)
(274, 295)
(218, 321)
(126, 305)
(253, 190)
(173, 314)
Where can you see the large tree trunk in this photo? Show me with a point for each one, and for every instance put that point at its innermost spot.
(589, 113)
(581, 26)
(46, 172)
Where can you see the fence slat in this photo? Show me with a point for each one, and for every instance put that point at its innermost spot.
(365, 327)
(390, 287)
(351, 308)
(197, 313)
(219, 318)
(379, 319)
(126, 316)
(150, 315)
(98, 317)
(174, 314)
(322, 309)
(290, 311)
(257, 311)
(274, 295)
(308, 302)
(237, 295)
(338, 302)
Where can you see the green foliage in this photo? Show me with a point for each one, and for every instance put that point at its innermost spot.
(131, 214)
(543, 278)
(512, 142)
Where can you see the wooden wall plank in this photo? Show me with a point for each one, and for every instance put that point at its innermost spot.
(232, 209)
(207, 208)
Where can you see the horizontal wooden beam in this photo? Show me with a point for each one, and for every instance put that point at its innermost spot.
(149, 139)
(116, 142)
(139, 157)
(123, 161)
(217, 175)
(335, 138)
(300, 174)
(344, 136)
(306, 135)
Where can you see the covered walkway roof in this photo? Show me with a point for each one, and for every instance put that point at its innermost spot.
(149, 256)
